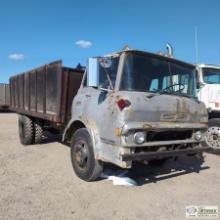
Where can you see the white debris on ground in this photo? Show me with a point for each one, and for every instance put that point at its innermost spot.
(118, 177)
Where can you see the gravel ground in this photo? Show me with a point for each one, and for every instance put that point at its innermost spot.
(37, 182)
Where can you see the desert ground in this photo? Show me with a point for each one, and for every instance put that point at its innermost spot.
(38, 182)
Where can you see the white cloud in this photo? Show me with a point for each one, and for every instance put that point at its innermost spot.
(16, 56)
(83, 44)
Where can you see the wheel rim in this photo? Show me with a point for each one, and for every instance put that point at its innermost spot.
(213, 137)
(81, 155)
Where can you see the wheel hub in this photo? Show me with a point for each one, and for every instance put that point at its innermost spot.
(213, 137)
(81, 154)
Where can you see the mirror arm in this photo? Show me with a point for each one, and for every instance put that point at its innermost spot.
(199, 85)
(110, 82)
(106, 90)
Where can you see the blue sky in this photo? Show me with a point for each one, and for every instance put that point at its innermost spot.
(34, 32)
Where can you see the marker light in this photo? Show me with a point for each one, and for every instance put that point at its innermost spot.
(122, 103)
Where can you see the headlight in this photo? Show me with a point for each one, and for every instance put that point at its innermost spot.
(139, 137)
(198, 136)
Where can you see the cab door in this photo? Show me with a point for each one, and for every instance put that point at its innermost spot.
(95, 99)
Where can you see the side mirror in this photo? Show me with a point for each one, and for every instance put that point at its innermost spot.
(93, 72)
(199, 85)
(105, 62)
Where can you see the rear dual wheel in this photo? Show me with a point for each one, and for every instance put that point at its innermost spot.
(26, 130)
(30, 131)
(38, 131)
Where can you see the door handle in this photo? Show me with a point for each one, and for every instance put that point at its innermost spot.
(88, 96)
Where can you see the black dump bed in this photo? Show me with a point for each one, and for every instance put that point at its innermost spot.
(4, 96)
(46, 92)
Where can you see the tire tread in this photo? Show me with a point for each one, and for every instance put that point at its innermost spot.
(38, 134)
(27, 136)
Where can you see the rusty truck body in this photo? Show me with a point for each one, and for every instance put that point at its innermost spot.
(4, 97)
(127, 106)
(46, 92)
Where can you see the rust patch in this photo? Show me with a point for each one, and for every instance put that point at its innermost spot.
(147, 126)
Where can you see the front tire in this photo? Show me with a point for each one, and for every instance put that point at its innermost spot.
(26, 130)
(83, 159)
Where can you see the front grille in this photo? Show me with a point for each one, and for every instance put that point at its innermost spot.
(168, 135)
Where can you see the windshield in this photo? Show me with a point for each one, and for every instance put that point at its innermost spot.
(145, 73)
(211, 75)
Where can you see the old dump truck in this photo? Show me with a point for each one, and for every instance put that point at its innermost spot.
(4, 97)
(208, 80)
(127, 106)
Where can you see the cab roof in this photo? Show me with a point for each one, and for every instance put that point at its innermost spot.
(202, 65)
(157, 55)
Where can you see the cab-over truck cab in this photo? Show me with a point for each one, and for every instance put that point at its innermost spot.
(208, 79)
(134, 106)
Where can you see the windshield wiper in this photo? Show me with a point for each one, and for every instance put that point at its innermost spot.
(161, 91)
(165, 92)
(183, 94)
(172, 92)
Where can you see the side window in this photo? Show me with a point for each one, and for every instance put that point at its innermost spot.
(154, 85)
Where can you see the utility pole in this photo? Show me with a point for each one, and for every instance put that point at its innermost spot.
(196, 45)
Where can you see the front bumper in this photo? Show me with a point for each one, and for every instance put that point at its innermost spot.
(164, 154)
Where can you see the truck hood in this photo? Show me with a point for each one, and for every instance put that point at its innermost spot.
(148, 107)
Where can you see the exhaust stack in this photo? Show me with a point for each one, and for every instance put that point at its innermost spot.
(169, 50)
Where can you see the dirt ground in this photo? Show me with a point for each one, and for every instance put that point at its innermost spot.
(37, 182)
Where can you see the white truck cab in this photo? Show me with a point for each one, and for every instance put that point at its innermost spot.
(208, 79)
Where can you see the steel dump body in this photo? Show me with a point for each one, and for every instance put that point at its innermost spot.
(46, 92)
(4, 96)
